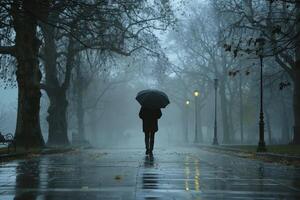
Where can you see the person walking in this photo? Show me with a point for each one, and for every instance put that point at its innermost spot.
(150, 126)
(152, 101)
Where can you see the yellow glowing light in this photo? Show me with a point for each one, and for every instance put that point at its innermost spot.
(196, 93)
(197, 176)
(197, 184)
(187, 174)
(187, 102)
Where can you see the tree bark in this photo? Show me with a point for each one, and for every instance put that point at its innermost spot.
(231, 130)
(284, 121)
(224, 108)
(79, 103)
(200, 131)
(296, 97)
(296, 103)
(57, 119)
(57, 111)
(28, 130)
(241, 102)
(269, 129)
(185, 118)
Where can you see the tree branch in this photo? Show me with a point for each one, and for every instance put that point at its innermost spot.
(103, 93)
(284, 66)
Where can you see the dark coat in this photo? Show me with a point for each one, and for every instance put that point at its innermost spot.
(150, 117)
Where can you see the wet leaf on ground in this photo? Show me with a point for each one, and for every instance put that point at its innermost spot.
(118, 177)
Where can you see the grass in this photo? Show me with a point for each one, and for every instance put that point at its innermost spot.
(278, 149)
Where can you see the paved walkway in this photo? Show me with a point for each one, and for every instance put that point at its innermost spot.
(183, 173)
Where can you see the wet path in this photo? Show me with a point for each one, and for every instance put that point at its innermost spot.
(185, 173)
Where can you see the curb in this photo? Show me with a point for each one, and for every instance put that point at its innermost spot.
(278, 156)
(42, 152)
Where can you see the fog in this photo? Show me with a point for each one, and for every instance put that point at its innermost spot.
(190, 45)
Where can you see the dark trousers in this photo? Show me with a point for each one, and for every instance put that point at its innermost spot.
(149, 140)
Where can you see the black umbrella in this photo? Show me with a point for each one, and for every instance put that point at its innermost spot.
(152, 98)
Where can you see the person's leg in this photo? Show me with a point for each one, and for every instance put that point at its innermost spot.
(147, 142)
(152, 141)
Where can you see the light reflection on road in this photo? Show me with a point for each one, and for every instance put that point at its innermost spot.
(190, 174)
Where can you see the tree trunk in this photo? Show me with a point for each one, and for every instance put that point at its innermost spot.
(224, 113)
(57, 120)
(28, 130)
(269, 129)
(296, 98)
(241, 109)
(186, 124)
(296, 103)
(79, 104)
(200, 132)
(80, 117)
(93, 127)
(230, 121)
(284, 121)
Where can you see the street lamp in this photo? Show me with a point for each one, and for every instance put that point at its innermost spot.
(215, 141)
(261, 144)
(187, 103)
(196, 94)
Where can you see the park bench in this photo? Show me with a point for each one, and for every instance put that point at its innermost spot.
(8, 139)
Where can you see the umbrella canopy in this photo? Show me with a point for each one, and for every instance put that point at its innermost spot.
(152, 98)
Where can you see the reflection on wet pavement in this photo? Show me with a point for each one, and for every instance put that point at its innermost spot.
(184, 173)
(150, 178)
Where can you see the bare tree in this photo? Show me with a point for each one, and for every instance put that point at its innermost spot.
(277, 22)
(68, 27)
(19, 39)
(204, 59)
(117, 27)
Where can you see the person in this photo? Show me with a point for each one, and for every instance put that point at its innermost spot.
(150, 126)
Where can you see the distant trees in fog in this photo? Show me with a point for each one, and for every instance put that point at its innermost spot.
(217, 39)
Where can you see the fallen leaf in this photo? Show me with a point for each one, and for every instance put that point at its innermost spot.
(118, 177)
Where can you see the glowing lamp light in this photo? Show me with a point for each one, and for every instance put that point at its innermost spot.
(196, 93)
(187, 102)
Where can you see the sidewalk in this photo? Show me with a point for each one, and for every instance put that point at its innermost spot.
(125, 174)
(287, 159)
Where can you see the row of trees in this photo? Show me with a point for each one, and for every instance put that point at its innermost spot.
(278, 23)
(48, 39)
(218, 39)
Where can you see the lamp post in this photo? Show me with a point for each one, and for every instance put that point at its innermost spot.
(196, 94)
(215, 141)
(187, 103)
(261, 144)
